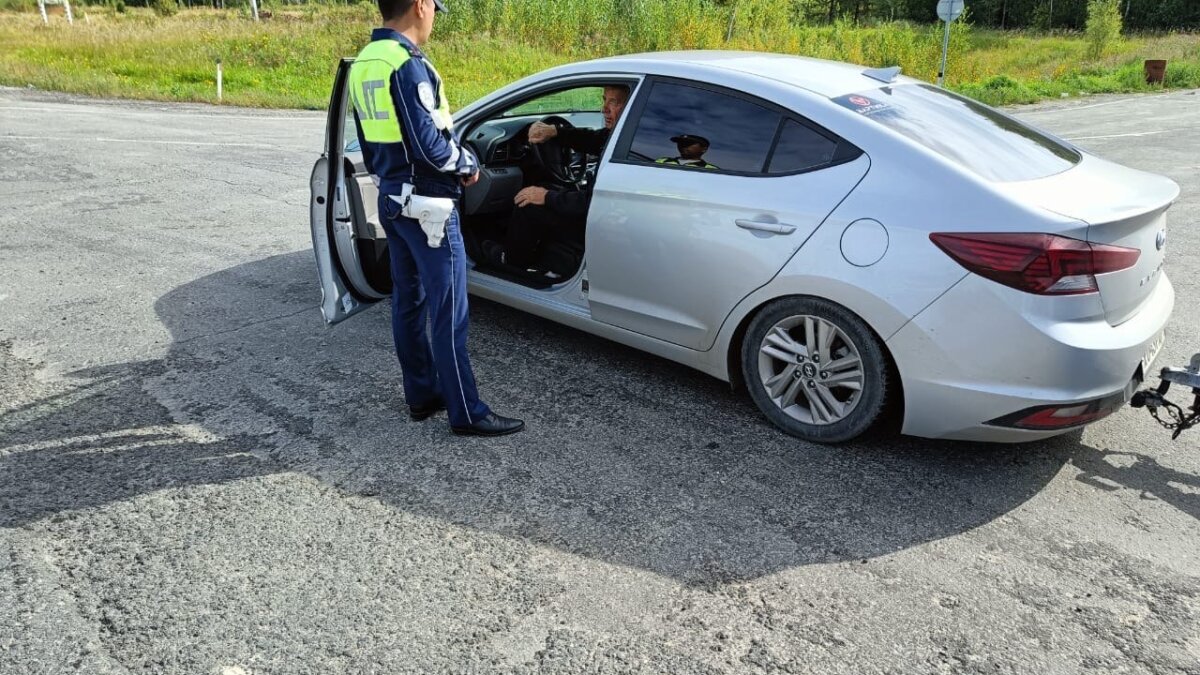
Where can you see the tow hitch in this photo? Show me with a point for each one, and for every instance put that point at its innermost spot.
(1155, 400)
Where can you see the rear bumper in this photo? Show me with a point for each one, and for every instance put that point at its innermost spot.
(982, 352)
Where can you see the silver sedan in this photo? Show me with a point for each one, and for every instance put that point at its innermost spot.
(856, 249)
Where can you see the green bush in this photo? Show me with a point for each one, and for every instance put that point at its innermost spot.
(1182, 75)
(1000, 90)
(1103, 26)
(165, 7)
(119, 6)
(1041, 19)
(1000, 82)
(760, 18)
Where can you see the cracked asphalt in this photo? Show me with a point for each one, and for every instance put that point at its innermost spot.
(196, 476)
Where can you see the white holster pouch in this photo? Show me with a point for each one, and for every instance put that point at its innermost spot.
(432, 212)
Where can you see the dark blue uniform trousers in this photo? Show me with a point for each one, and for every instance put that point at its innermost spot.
(431, 283)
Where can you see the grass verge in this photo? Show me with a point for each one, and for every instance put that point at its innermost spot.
(288, 61)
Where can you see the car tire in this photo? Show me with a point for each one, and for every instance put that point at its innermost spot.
(831, 402)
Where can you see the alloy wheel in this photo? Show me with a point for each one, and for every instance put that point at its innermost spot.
(811, 370)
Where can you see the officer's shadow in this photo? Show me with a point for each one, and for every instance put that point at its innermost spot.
(628, 459)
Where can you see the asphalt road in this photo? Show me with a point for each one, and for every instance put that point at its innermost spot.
(196, 476)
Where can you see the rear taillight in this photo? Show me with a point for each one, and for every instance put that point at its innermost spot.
(1044, 264)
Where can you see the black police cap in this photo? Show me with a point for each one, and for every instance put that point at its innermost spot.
(688, 139)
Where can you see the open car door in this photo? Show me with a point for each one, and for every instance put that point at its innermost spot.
(349, 243)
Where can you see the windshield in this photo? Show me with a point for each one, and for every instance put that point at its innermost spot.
(968, 133)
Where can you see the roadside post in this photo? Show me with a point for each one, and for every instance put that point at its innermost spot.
(66, 10)
(254, 8)
(218, 80)
(948, 11)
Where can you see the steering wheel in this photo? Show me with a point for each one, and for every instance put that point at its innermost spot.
(559, 160)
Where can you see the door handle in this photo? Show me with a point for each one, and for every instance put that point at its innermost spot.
(773, 228)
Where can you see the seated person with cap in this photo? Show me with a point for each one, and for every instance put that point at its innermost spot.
(544, 214)
(691, 152)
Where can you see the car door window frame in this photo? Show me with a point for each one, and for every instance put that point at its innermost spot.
(477, 117)
(844, 152)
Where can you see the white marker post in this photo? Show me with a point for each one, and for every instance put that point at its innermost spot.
(948, 11)
(66, 7)
(218, 80)
(254, 8)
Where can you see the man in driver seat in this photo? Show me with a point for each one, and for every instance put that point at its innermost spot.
(541, 214)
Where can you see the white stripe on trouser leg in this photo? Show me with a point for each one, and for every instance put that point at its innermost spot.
(453, 319)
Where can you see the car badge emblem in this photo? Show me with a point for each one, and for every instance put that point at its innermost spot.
(1161, 241)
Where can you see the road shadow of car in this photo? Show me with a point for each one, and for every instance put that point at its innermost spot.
(628, 459)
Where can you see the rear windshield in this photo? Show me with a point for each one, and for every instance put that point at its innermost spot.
(973, 135)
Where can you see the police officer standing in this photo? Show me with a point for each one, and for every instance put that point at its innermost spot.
(406, 133)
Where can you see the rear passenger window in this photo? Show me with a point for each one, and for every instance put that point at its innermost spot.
(703, 129)
(800, 147)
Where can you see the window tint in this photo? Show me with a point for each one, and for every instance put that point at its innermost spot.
(739, 132)
(799, 148)
(971, 134)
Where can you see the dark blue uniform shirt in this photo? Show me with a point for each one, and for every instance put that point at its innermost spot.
(429, 158)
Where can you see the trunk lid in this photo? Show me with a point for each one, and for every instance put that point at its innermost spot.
(1122, 207)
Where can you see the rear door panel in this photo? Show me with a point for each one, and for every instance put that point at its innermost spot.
(667, 256)
(672, 250)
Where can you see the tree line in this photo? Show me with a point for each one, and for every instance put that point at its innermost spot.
(1137, 15)
(1035, 14)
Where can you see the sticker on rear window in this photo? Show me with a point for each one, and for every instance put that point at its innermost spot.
(860, 104)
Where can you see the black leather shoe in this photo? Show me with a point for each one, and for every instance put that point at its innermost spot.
(492, 425)
(419, 413)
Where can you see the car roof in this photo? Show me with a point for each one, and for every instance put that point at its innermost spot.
(827, 78)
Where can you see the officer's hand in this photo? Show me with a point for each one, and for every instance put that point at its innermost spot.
(541, 132)
(468, 181)
(531, 195)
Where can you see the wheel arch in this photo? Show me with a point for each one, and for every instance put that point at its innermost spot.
(737, 337)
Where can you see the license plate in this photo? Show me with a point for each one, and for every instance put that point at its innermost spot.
(1152, 352)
